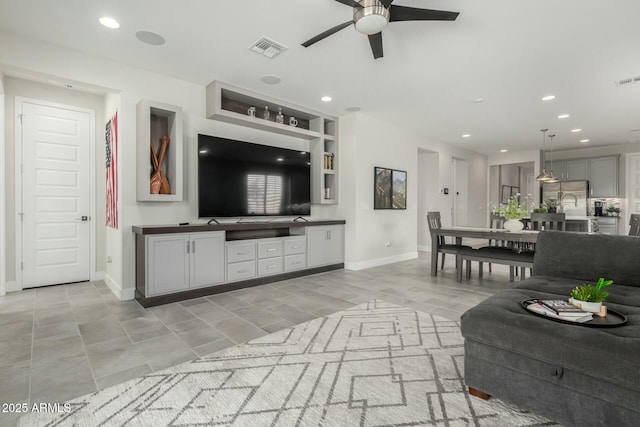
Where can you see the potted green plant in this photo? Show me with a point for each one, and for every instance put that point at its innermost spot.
(551, 205)
(590, 298)
(513, 212)
(614, 211)
(541, 209)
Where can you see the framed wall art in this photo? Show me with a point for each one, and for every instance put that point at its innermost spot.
(389, 188)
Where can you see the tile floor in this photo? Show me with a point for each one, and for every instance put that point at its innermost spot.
(61, 342)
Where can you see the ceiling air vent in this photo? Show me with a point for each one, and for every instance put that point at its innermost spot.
(267, 47)
(628, 81)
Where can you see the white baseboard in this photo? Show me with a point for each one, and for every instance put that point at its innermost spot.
(99, 275)
(379, 261)
(121, 294)
(12, 286)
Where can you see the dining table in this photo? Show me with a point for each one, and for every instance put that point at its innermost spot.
(460, 232)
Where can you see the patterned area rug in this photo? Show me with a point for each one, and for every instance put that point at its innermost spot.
(376, 364)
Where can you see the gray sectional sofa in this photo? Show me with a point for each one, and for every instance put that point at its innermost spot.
(575, 375)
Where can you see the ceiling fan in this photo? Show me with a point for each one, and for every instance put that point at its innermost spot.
(371, 16)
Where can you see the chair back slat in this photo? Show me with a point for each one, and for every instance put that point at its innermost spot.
(435, 223)
(548, 221)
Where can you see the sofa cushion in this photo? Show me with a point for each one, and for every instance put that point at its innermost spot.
(609, 354)
(587, 257)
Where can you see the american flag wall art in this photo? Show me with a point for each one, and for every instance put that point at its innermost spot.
(111, 145)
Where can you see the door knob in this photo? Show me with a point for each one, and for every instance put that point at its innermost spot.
(84, 218)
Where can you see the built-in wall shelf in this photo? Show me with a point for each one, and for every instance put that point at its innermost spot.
(235, 105)
(154, 121)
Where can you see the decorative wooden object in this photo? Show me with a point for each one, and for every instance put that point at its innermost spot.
(159, 183)
(479, 394)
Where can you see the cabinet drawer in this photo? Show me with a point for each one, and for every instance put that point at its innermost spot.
(241, 252)
(606, 221)
(269, 249)
(241, 270)
(295, 246)
(269, 266)
(295, 262)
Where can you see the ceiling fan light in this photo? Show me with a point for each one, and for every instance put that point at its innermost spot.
(371, 24)
(371, 18)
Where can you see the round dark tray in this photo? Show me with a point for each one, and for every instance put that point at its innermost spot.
(613, 319)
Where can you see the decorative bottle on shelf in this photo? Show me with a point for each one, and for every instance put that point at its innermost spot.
(280, 117)
(266, 113)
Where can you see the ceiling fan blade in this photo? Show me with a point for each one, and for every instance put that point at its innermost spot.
(386, 3)
(375, 40)
(326, 34)
(403, 13)
(351, 3)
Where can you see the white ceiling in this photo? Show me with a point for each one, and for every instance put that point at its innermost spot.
(508, 52)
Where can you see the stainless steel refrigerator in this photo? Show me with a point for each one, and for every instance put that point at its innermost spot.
(571, 196)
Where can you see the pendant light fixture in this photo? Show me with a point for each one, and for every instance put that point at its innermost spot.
(544, 176)
(552, 177)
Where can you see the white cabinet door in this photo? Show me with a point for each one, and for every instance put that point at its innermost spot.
(167, 263)
(316, 237)
(603, 176)
(207, 259)
(335, 246)
(325, 245)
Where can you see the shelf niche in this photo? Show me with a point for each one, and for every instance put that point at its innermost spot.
(154, 121)
(231, 104)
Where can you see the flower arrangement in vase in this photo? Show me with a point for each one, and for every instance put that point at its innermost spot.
(513, 211)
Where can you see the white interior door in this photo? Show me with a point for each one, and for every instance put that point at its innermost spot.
(55, 193)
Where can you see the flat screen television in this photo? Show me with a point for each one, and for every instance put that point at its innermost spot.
(238, 178)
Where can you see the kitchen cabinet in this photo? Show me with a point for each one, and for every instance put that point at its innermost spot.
(576, 170)
(325, 245)
(608, 225)
(569, 170)
(603, 176)
(601, 172)
(177, 262)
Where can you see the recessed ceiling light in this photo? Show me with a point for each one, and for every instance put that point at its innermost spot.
(584, 141)
(149, 37)
(279, 159)
(203, 151)
(503, 151)
(466, 135)
(271, 79)
(576, 130)
(109, 22)
(326, 98)
(303, 152)
(477, 100)
(548, 97)
(563, 116)
(352, 109)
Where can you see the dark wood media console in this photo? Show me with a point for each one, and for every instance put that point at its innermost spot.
(179, 262)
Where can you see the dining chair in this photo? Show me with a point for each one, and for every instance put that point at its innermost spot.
(634, 225)
(548, 221)
(495, 222)
(435, 223)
